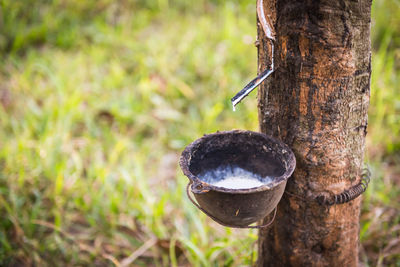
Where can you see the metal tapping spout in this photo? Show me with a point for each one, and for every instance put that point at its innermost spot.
(269, 33)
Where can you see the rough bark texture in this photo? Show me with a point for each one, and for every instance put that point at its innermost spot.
(316, 102)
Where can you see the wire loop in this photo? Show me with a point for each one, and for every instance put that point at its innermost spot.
(349, 194)
(344, 197)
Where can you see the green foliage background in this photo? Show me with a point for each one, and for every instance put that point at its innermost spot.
(98, 98)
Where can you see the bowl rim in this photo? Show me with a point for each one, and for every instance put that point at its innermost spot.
(199, 186)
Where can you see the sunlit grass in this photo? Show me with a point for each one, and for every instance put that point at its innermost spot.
(93, 137)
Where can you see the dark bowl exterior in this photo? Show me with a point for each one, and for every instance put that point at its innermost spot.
(240, 209)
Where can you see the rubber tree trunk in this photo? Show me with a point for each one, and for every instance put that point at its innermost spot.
(316, 102)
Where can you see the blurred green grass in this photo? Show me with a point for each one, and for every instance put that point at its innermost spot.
(98, 98)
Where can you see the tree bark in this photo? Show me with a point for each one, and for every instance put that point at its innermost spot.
(316, 101)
